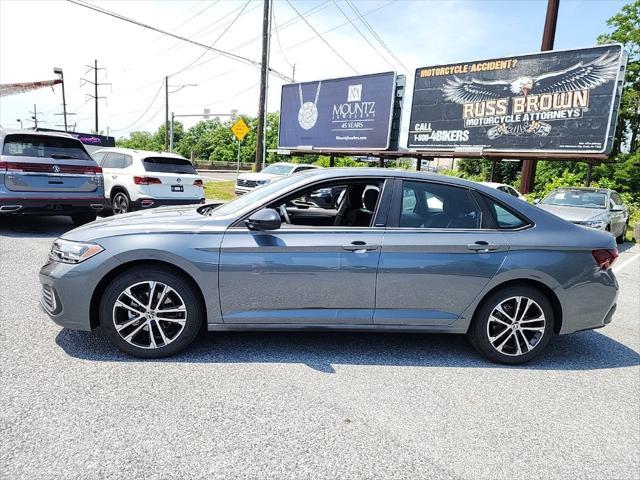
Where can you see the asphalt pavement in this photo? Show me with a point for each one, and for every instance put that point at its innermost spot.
(308, 405)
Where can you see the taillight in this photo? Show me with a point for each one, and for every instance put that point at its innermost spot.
(93, 170)
(198, 183)
(605, 257)
(3, 166)
(146, 180)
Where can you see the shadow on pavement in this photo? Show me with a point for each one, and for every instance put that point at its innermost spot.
(320, 351)
(34, 226)
(626, 246)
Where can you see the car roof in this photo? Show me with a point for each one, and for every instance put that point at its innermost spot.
(494, 184)
(139, 153)
(4, 132)
(291, 164)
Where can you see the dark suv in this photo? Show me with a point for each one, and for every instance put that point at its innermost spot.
(48, 173)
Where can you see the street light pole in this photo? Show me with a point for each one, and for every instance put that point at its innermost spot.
(58, 71)
(20, 122)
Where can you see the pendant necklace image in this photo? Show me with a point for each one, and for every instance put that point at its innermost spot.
(308, 113)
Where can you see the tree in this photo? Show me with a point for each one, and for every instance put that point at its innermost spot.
(626, 25)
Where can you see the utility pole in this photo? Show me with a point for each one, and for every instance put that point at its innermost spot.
(95, 84)
(166, 113)
(264, 73)
(528, 177)
(34, 116)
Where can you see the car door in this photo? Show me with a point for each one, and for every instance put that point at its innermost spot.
(301, 274)
(435, 256)
(111, 167)
(617, 213)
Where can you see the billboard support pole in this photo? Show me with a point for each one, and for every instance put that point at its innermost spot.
(332, 161)
(528, 177)
(493, 169)
(587, 179)
(264, 72)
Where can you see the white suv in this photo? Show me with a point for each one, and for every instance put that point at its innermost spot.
(137, 179)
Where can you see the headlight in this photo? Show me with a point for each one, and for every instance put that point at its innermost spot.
(601, 224)
(262, 182)
(67, 251)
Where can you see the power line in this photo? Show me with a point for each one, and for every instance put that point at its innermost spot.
(215, 41)
(321, 38)
(143, 113)
(275, 26)
(362, 34)
(239, 58)
(375, 35)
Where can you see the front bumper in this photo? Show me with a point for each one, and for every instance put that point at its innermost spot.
(66, 289)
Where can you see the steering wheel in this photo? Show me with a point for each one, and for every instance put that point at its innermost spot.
(284, 213)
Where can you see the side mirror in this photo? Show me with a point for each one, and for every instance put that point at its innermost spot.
(265, 219)
(617, 208)
(536, 201)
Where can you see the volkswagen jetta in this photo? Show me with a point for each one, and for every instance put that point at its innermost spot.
(399, 251)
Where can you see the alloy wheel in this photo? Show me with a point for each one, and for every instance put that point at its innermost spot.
(516, 325)
(149, 315)
(120, 203)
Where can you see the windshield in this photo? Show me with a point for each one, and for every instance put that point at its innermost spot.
(278, 169)
(41, 146)
(577, 198)
(168, 165)
(253, 197)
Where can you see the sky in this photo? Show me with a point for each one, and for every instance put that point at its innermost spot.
(36, 36)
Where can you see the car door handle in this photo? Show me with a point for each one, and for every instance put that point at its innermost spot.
(483, 246)
(360, 246)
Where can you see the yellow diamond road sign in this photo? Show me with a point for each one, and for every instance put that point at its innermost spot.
(240, 129)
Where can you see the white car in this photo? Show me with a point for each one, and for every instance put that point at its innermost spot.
(138, 179)
(248, 181)
(504, 188)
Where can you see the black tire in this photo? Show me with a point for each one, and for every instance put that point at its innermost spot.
(620, 238)
(120, 202)
(83, 217)
(478, 333)
(167, 276)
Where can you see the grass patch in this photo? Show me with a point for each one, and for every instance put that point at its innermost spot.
(634, 217)
(224, 191)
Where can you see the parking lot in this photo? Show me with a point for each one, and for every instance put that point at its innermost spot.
(309, 405)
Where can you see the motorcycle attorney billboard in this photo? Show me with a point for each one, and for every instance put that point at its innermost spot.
(352, 113)
(557, 101)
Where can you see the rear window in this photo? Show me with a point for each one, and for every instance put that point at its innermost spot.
(168, 165)
(25, 145)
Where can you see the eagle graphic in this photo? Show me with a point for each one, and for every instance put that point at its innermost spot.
(577, 77)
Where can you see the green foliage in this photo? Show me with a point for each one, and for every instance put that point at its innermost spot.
(323, 161)
(626, 30)
(480, 169)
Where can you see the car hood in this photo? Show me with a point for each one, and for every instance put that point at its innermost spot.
(574, 214)
(157, 220)
(259, 176)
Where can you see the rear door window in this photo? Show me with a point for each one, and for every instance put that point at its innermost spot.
(168, 165)
(114, 160)
(42, 146)
(501, 216)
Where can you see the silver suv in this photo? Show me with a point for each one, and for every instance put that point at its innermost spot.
(48, 174)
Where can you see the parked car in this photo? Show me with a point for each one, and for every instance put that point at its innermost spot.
(139, 179)
(47, 173)
(598, 208)
(503, 187)
(250, 180)
(402, 251)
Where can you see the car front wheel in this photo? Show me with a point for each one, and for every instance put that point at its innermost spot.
(151, 312)
(620, 238)
(513, 325)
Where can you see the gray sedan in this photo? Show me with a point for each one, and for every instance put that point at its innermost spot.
(598, 208)
(400, 251)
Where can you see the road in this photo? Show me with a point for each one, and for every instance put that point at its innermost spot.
(217, 176)
(308, 405)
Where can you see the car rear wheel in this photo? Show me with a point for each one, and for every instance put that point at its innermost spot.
(120, 203)
(513, 325)
(82, 218)
(151, 312)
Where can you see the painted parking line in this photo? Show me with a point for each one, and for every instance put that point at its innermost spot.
(619, 268)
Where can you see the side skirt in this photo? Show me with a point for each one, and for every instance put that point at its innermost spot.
(244, 327)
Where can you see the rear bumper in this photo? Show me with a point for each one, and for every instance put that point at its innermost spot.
(146, 203)
(50, 205)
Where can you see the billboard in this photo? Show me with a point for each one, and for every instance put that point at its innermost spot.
(352, 113)
(557, 101)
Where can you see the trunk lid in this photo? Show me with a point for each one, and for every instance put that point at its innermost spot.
(177, 178)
